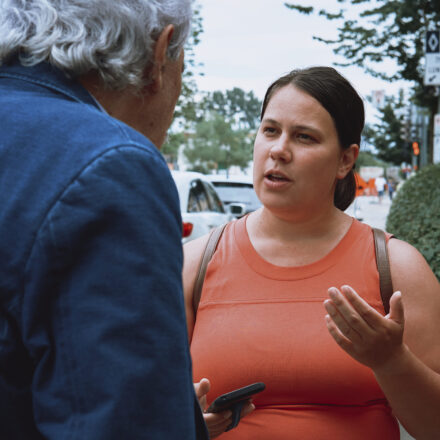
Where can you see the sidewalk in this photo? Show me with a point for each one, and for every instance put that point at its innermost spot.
(370, 211)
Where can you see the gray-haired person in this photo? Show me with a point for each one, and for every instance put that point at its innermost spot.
(92, 329)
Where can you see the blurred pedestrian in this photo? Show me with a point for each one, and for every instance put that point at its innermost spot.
(93, 336)
(391, 188)
(381, 185)
(268, 287)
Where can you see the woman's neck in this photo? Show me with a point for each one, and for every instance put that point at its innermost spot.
(290, 241)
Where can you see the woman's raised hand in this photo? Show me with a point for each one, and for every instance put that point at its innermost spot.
(361, 331)
(216, 423)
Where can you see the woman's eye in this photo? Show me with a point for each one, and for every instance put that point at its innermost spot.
(269, 130)
(305, 137)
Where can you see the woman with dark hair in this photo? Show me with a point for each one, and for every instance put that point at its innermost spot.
(268, 311)
(344, 105)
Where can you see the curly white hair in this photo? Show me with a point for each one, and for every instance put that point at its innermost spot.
(114, 38)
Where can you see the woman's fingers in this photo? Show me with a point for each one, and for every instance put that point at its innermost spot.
(360, 330)
(219, 417)
(349, 320)
(355, 303)
(338, 319)
(202, 389)
(216, 419)
(247, 408)
(338, 336)
(217, 423)
(371, 316)
(396, 309)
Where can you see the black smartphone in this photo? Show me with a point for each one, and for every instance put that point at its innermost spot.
(225, 401)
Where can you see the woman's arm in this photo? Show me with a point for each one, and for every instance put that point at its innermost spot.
(192, 255)
(406, 363)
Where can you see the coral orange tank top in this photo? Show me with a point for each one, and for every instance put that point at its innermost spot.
(258, 322)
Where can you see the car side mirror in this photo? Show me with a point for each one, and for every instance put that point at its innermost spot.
(236, 209)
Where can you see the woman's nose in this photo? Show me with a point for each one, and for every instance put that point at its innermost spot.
(280, 151)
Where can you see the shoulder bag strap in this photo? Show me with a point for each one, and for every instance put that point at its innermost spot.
(210, 248)
(383, 267)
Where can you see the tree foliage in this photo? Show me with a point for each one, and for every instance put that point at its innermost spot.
(216, 145)
(239, 108)
(224, 134)
(367, 159)
(386, 135)
(186, 109)
(385, 30)
(185, 113)
(415, 214)
(216, 129)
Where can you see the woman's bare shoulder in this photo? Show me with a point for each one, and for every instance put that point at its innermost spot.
(192, 255)
(409, 267)
(420, 289)
(193, 251)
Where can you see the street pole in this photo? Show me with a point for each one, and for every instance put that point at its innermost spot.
(414, 162)
(424, 139)
(436, 143)
(432, 78)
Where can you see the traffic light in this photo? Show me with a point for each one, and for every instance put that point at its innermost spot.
(415, 147)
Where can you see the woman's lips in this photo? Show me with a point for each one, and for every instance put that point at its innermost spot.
(276, 175)
(275, 179)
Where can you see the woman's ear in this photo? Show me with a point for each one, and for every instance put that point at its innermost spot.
(348, 159)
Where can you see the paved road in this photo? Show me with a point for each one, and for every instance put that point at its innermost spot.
(374, 214)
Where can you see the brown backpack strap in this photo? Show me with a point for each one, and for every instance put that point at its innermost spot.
(210, 248)
(383, 267)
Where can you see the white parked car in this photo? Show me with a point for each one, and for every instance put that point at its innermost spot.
(235, 190)
(200, 205)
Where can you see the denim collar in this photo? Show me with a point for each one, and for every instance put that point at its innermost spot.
(50, 77)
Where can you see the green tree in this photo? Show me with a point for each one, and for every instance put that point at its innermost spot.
(415, 214)
(224, 134)
(386, 136)
(240, 108)
(387, 30)
(368, 159)
(185, 114)
(216, 145)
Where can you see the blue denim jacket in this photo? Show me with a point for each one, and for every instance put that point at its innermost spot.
(93, 341)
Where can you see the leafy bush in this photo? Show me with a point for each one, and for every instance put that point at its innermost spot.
(415, 214)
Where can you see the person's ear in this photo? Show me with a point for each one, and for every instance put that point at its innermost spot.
(160, 57)
(348, 159)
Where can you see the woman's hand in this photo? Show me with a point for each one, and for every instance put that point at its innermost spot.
(361, 331)
(217, 423)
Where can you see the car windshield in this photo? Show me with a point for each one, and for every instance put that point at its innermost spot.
(237, 193)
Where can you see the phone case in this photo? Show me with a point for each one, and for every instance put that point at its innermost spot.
(225, 401)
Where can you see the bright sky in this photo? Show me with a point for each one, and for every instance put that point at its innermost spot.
(250, 43)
